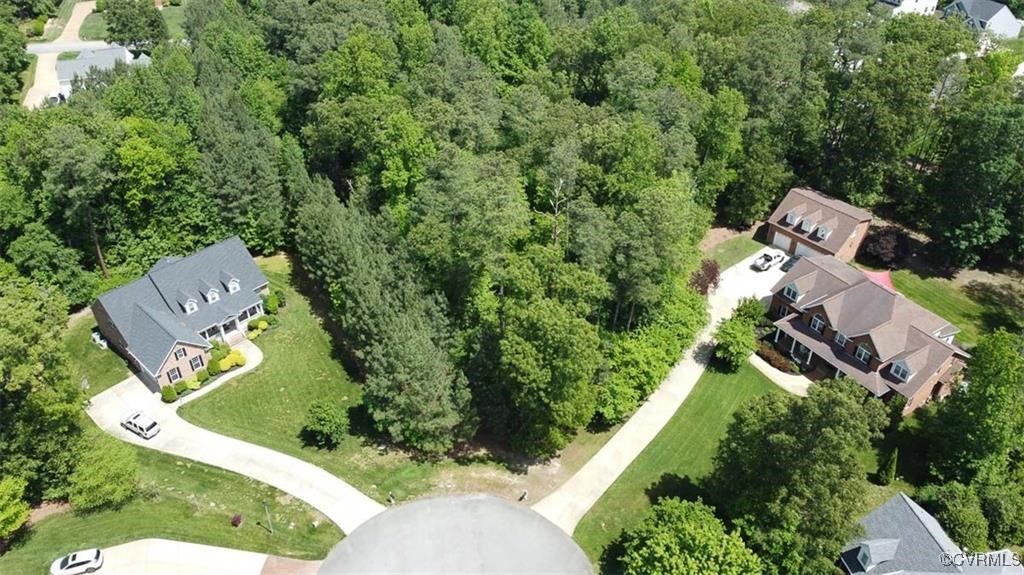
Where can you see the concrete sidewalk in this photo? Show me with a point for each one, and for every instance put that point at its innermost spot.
(166, 557)
(343, 504)
(791, 382)
(567, 505)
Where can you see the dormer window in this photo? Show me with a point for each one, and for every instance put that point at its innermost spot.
(212, 296)
(823, 232)
(791, 217)
(863, 353)
(191, 306)
(806, 225)
(233, 286)
(840, 339)
(817, 324)
(899, 371)
(790, 292)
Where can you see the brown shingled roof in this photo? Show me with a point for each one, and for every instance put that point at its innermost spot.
(821, 210)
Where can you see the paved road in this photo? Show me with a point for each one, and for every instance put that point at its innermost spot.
(46, 67)
(165, 557)
(339, 501)
(567, 505)
(58, 46)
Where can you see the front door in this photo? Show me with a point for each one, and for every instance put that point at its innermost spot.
(230, 326)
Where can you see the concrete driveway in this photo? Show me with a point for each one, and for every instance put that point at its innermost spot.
(567, 505)
(165, 557)
(343, 504)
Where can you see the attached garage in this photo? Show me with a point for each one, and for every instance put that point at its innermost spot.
(781, 240)
(803, 249)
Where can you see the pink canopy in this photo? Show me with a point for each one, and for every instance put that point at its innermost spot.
(881, 278)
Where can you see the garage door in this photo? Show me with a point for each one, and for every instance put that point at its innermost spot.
(805, 250)
(780, 240)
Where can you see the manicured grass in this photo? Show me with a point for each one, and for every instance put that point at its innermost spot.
(732, 251)
(28, 77)
(101, 367)
(94, 27)
(60, 20)
(186, 501)
(300, 366)
(677, 458)
(68, 55)
(944, 298)
(174, 16)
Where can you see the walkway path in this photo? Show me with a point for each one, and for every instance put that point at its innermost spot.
(791, 382)
(340, 502)
(165, 557)
(570, 502)
(46, 67)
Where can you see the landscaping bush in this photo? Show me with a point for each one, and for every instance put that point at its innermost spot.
(706, 278)
(272, 302)
(887, 246)
(38, 27)
(237, 358)
(750, 309)
(735, 341)
(101, 6)
(776, 358)
(202, 376)
(220, 351)
(253, 335)
(1003, 505)
(263, 325)
(180, 386)
(192, 384)
(14, 510)
(213, 368)
(253, 326)
(168, 394)
(226, 364)
(280, 297)
(896, 405)
(326, 424)
(887, 472)
(271, 320)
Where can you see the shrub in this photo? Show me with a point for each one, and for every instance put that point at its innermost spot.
(168, 394)
(271, 320)
(887, 246)
(887, 472)
(750, 309)
(776, 359)
(101, 6)
(220, 351)
(175, 2)
(237, 358)
(192, 384)
(735, 341)
(38, 27)
(253, 326)
(896, 405)
(213, 367)
(1003, 505)
(280, 297)
(326, 424)
(271, 303)
(226, 364)
(106, 473)
(263, 325)
(180, 386)
(706, 278)
(958, 508)
(202, 376)
(253, 335)
(14, 510)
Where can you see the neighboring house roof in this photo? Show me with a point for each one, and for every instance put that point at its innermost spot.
(150, 313)
(986, 15)
(839, 218)
(102, 59)
(901, 537)
(899, 329)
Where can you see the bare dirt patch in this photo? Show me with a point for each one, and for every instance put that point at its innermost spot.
(47, 509)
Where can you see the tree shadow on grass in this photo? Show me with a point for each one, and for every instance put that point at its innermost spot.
(914, 444)
(1002, 302)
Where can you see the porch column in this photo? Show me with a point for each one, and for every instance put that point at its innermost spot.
(810, 356)
(777, 330)
(220, 327)
(792, 347)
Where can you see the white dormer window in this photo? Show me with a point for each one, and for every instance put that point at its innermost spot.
(863, 353)
(791, 217)
(840, 339)
(817, 324)
(191, 306)
(900, 371)
(863, 557)
(790, 292)
(212, 296)
(806, 225)
(823, 232)
(233, 286)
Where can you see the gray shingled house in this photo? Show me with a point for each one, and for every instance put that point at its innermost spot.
(164, 322)
(89, 61)
(985, 16)
(834, 320)
(902, 538)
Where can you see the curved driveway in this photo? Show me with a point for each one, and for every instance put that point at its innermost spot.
(46, 66)
(343, 504)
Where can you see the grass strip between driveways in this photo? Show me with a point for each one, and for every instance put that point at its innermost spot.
(28, 76)
(675, 461)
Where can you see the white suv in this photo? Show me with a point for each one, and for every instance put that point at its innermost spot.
(141, 425)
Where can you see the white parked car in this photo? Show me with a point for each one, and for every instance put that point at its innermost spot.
(87, 561)
(141, 425)
(768, 260)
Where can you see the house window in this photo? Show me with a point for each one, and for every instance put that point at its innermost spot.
(823, 232)
(179, 353)
(196, 362)
(191, 306)
(174, 375)
(244, 315)
(233, 286)
(806, 225)
(863, 353)
(212, 296)
(791, 217)
(790, 292)
(900, 371)
(783, 311)
(817, 324)
(840, 339)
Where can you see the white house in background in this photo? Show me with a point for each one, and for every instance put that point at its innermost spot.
(923, 7)
(88, 61)
(985, 16)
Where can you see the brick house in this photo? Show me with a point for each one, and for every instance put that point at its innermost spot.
(808, 222)
(830, 317)
(165, 322)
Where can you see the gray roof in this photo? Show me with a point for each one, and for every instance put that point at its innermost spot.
(103, 59)
(901, 537)
(984, 9)
(457, 534)
(987, 15)
(150, 312)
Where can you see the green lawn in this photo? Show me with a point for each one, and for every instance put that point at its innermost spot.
(174, 16)
(94, 27)
(677, 458)
(186, 501)
(300, 366)
(68, 55)
(732, 251)
(28, 77)
(101, 367)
